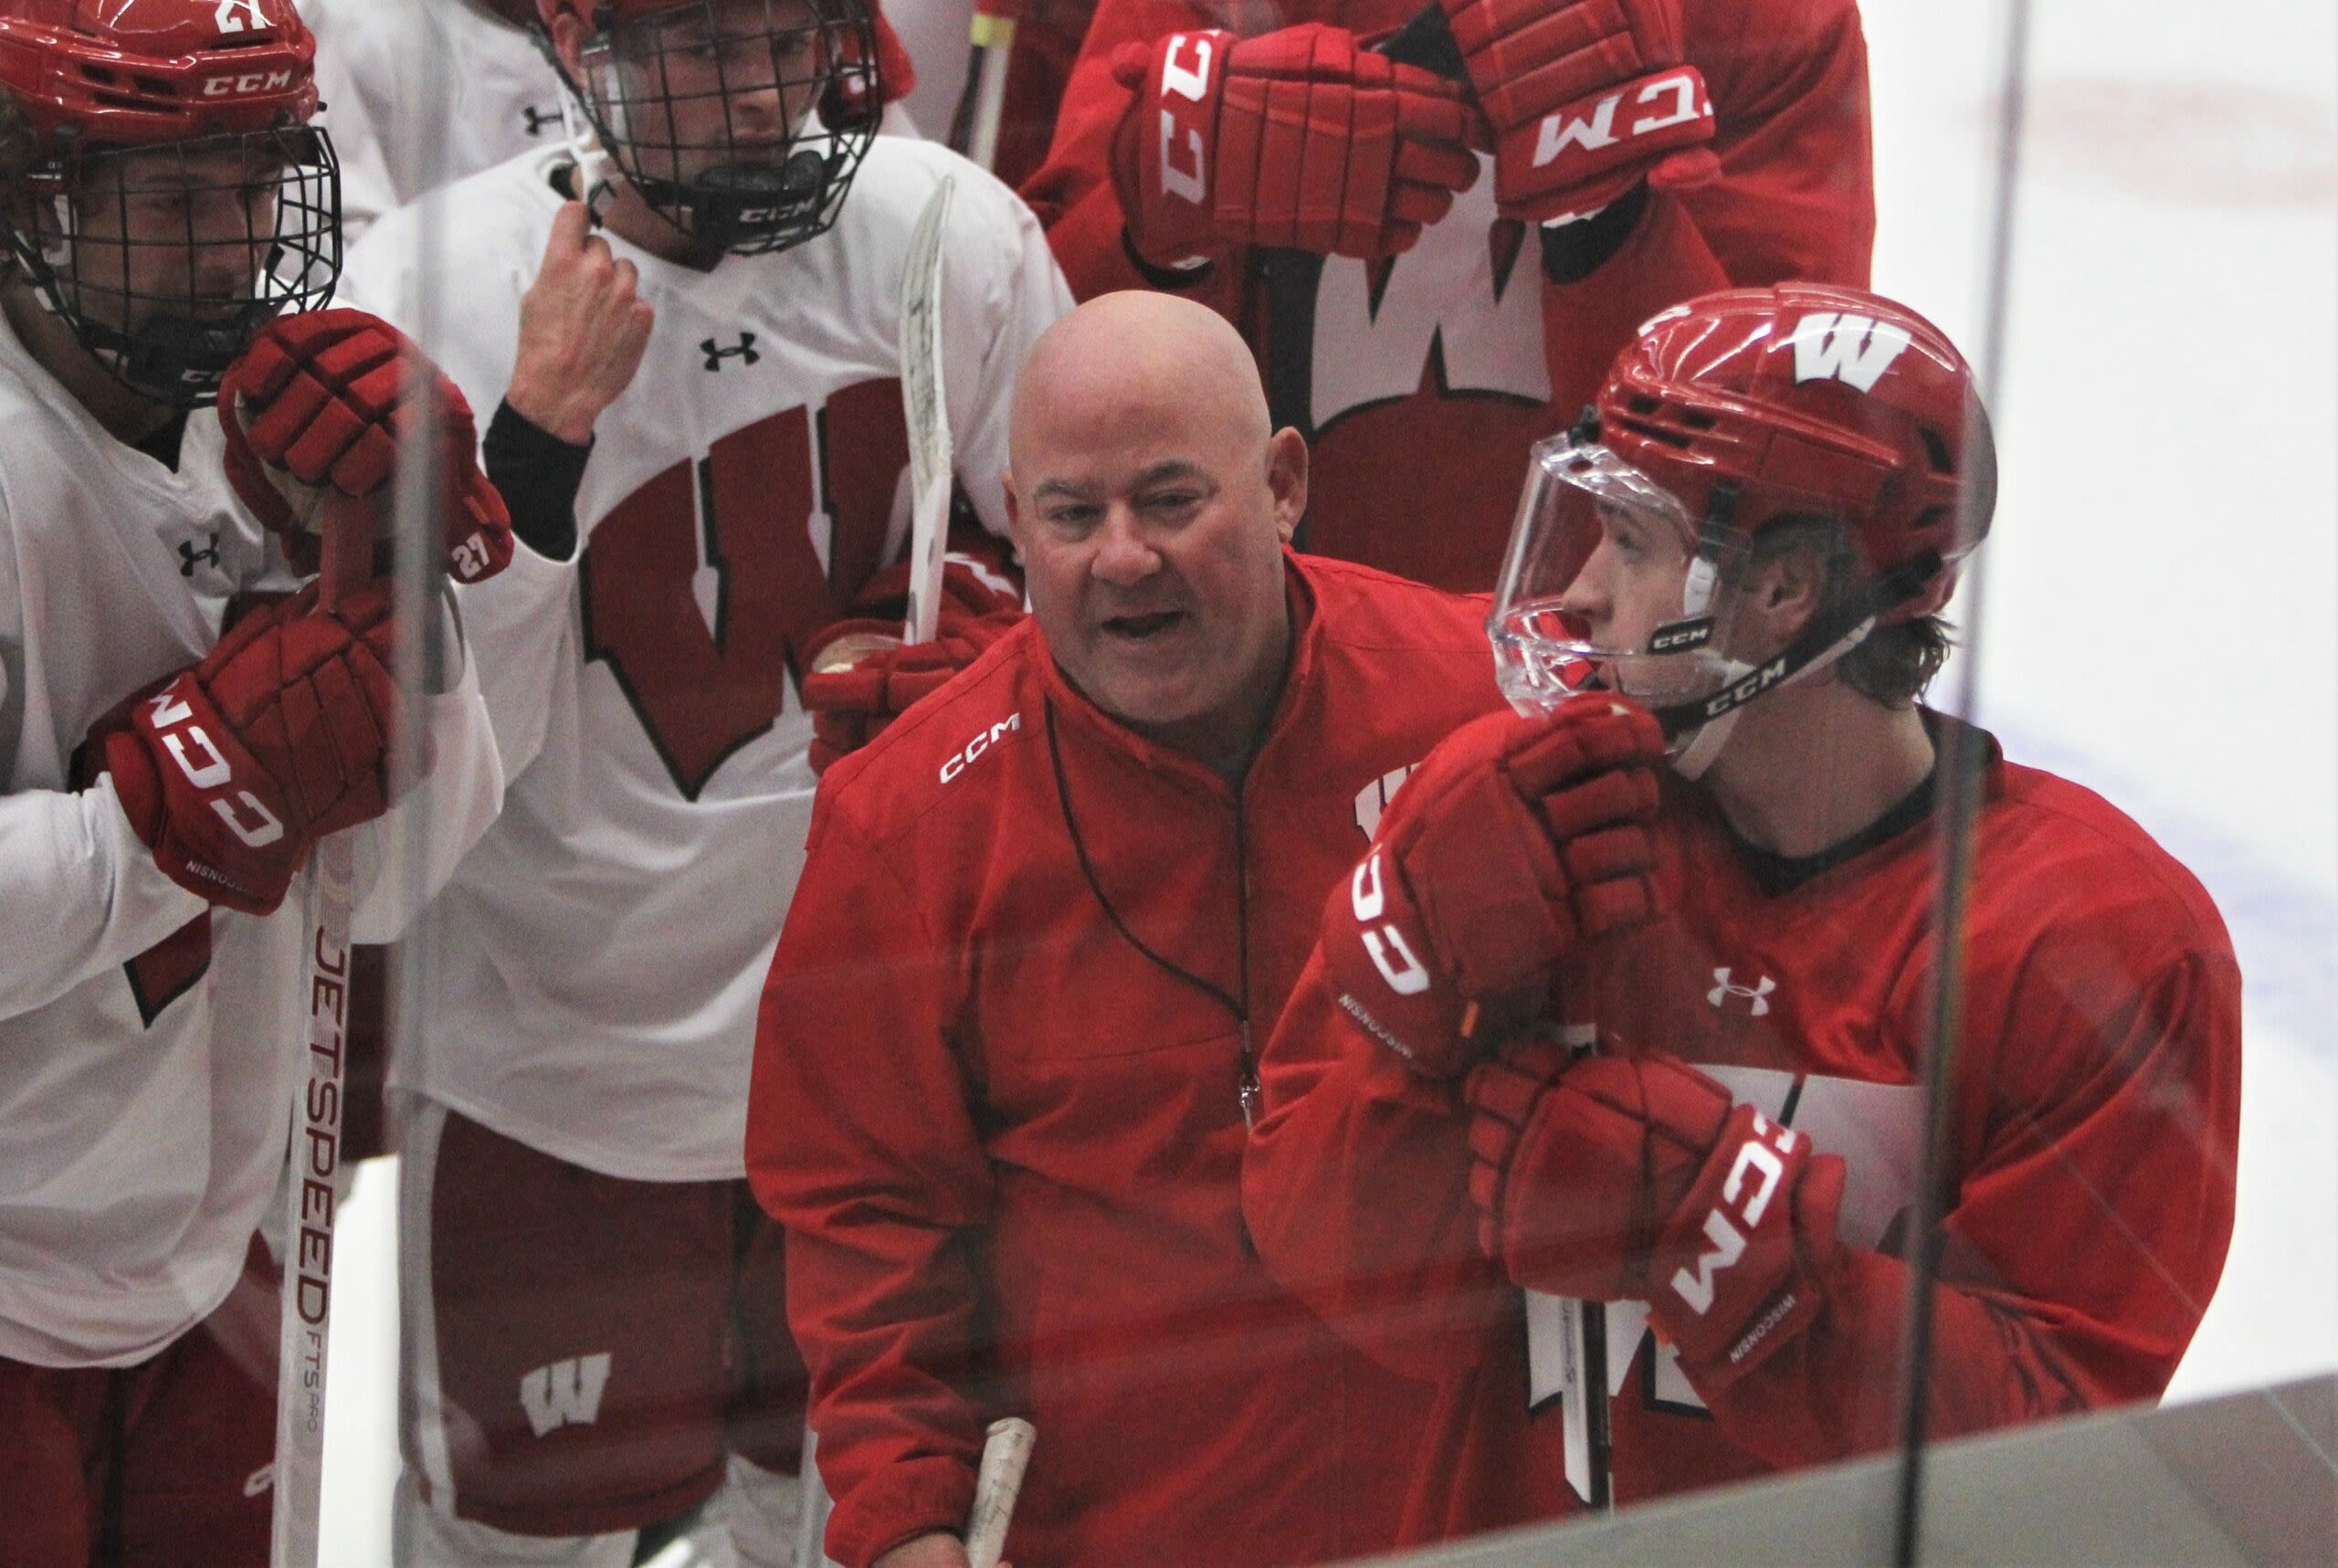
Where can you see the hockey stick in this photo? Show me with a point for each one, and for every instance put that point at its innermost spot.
(973, 129)
(925, 406)
(1961, 768)
(309, 1197)
(925, 410)
(1007, 1453)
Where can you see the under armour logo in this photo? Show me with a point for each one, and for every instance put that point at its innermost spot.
(189, 555)
(539, 118)
(566, 1392)
(715, 356)
(1756, 997)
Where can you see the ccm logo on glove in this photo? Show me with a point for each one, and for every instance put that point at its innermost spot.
(1189, 83)
(1596, 131)
(1758, 1156)
(1380, 936)
(172, 719)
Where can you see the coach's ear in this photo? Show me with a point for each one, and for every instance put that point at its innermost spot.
(1286, 479)
(1014, 510)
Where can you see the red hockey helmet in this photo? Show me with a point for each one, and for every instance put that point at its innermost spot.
(139, 74)
(165, 189)
(1811, 400)
(683, 134)
(1724, 417)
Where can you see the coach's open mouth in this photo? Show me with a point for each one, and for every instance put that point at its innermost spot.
(1143, 627)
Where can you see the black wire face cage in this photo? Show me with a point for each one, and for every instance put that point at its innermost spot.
(741, 122)
(167, 260)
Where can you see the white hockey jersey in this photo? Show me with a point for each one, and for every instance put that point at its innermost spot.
(419, 93)
(148, 1043)
(594, 968)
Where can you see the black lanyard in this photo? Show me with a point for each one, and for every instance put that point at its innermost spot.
(1247, 1088)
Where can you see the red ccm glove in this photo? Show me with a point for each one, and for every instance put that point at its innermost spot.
(233, 769)
(1586, 99)
(859, 676)
(1609, 1178)
(319, 403)
(1301, 139)
(1514, 843)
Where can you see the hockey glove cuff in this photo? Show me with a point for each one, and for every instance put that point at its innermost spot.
(234, 768)
(318, 403)
(1587, 97)
(1614, 1177)
(858, 674)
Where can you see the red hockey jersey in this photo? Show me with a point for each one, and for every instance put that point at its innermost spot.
(2095, 1118)
(1422, 380)
(997, 1102)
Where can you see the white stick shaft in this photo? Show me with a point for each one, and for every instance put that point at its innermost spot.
(312, 1192)
(926, 407)
(308, 1213)
(1005, 1454)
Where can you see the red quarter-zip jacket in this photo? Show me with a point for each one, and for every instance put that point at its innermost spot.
(998, 1102)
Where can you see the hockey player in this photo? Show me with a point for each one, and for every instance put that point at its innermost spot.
(1422, 338)
(594, 1305)
(1005, 1063)
(419, 94)
(1643, 151)
(161, 786)
(473, 65)
(1753, 541)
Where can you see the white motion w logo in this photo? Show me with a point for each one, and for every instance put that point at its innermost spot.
(1383, 939)
(566, 1392)
(1854, 350)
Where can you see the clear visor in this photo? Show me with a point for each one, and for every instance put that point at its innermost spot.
(1602, 589)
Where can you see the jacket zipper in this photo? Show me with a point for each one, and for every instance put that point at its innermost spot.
(1245, 1086)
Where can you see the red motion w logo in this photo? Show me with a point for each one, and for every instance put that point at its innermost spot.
(703, 690)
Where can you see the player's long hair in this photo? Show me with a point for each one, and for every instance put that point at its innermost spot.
(1891, 665)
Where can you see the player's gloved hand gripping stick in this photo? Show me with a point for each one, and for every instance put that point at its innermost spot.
(346, 564)
(859, 675)
(314, 415)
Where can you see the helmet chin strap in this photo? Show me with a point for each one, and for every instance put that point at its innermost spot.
(1698, 729)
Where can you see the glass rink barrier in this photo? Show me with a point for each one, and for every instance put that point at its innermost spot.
(1216, 783)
